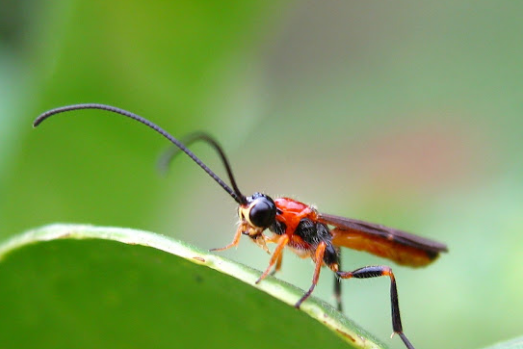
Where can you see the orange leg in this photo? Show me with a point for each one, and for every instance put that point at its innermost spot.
(318, 258)
(275, 239)
(283, 241)
(235, 240)
(278, 265)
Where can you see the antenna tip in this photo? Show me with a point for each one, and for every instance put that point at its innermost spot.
(41, 118)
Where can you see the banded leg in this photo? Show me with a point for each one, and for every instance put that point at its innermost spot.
(318, 259)
(377, 271)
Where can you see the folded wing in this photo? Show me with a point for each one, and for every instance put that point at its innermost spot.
(399, 246)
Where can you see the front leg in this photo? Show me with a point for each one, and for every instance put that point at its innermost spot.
(277, 268)
(235, 240)
(256, 234)
(282, 242)
(274, 239)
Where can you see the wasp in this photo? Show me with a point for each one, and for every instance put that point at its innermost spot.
(301, 227)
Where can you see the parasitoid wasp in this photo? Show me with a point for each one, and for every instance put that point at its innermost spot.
(301, 227)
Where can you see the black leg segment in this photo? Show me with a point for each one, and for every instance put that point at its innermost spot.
(337, 293)
(337, 285)
(377, 271)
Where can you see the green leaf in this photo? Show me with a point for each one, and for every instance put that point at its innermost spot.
(516, 343)
(78, 286)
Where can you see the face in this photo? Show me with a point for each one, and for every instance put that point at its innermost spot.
(257, 215)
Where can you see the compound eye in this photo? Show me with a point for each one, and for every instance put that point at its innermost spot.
(263, 212)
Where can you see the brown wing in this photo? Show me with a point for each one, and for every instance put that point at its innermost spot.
(399, 246)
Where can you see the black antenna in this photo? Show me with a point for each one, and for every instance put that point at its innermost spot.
(236, 194)
(169, 154)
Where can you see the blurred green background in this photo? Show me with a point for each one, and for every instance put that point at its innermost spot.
(403, 113)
